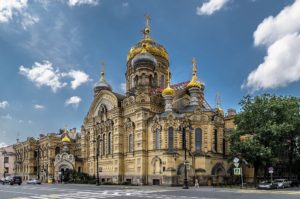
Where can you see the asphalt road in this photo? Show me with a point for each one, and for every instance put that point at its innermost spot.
(69, 191)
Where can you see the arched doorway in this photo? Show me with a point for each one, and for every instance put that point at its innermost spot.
(64, 173)
(218, 173)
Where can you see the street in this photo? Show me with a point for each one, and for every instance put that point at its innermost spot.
(71, 191)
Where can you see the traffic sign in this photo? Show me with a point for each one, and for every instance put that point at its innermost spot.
(236, 160)
(271, 170)
(237, 171)
(236, 164)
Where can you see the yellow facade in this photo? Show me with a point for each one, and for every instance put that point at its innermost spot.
(140, 135)
(146, 136)
(35, 157)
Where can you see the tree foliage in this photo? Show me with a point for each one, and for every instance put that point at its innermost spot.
(271, 127)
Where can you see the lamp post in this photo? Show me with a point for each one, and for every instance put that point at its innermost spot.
(185, 182)
(38, 162)
(97, 161)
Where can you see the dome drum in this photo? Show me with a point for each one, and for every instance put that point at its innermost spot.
(144, 60)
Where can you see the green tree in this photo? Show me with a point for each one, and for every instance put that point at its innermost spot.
(270, 126)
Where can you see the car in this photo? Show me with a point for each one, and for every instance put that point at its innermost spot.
(282, 183)
(2, 180)
(6, 180)
(267, 185)
(13, 180)
(34, 181)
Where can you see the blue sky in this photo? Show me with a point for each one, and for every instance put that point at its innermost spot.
(51, 53)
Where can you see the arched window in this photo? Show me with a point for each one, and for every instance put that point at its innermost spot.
(198, 139)
(216, 140)
(103, 145)
(170, 139)
(143, 79)
(130, 143)
(136, 81)
(162, 81)
(155, 80)
(88, 144)
(183, 138)
(109, 145)
(57, 150)
(132, 82)
(157, 139)
(224, 146)
(98, 145)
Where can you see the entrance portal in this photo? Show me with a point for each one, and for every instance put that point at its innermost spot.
(156, 182)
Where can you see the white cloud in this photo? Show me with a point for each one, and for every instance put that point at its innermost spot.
(281, 36)
(2, 144)
(274, 28)
(211, 7)
(39, 106)
(4, 104)
(82, 2)
(43, 74)
(29, 122)
(9, 8)
(7, 117)
(123, 87)
(29, 20)
(74, 101)
(79, 77)
(281, 65)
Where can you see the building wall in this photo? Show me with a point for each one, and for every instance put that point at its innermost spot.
(7, 161)
(35, 157)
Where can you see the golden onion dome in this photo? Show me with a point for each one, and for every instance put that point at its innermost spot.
(148, 44)
(168, 91)
(219, 110)
(66, 138)
(194, 83)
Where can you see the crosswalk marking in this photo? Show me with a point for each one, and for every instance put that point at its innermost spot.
(110, 194)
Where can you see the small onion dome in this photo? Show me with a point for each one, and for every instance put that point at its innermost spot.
(219, 110)
(144, 59)
(102, 83)
(168, 91)
(66, 139)
(194, 83)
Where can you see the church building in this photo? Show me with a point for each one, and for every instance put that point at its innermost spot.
(156, 130)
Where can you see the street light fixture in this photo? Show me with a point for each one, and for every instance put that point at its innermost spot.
(185, 182)
(38, 162)
(97, 161)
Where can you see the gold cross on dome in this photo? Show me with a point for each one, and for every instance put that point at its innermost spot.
(194, 66)
(147, 17)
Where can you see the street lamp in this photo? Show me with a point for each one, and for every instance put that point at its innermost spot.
(97, 161)
(185, 182)
(38, 162)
